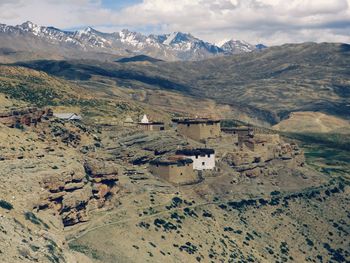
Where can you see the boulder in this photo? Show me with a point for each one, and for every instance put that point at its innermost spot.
(74, 186)
(96, 168)
(54, 182)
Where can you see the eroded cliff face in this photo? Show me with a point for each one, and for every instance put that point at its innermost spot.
(51, 177)
(74, 192)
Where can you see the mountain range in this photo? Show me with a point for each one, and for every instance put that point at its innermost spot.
(174, 46)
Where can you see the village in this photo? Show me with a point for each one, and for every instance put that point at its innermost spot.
(245, 149)
(153, 183)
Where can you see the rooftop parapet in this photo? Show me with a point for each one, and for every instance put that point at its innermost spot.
(195, 152)
(195, 121)
(173, 160)
(151, 123)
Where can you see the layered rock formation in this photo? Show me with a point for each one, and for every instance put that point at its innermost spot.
(73, 193)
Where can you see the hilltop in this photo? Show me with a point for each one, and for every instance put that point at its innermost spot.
(267, 85)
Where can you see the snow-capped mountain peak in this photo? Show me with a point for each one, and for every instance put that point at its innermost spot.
(237, 46)
(173, 46)
(87, 30)
(28, 25)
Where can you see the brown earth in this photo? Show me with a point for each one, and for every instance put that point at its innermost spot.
(316, 122)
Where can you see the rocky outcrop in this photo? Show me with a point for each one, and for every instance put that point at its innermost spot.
(68, 136)
(74, 192)
(103, 176)
(27, 116)
(252, 161)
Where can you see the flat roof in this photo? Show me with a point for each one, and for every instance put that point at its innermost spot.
(240, 128)
(195, 152)
(67, 116)
(255, 141)
(150, 123)
(195, 121)
(174, 160)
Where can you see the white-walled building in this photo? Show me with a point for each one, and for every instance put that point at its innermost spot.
(203, 159)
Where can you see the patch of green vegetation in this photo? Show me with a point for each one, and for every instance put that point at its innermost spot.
(328, 140)
(5, 205)
(329, 153)
(92, 253)
(229, 123)
(35, 220)
(36, 92)
(38, 96)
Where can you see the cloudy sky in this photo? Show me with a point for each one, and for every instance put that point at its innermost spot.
(270, 22)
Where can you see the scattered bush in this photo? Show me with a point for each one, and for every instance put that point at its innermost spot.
(167, 226)
(309, 242)
(207, 214)
(274, 193)
(5, 205)
(85, 250)
(34, 219)
(336, 254)
(144, 225)
(189, 248)
(189, 212)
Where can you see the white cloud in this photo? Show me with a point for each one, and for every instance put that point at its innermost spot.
(267, 21)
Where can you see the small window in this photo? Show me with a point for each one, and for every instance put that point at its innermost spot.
(180, 173)
(188, 125)
(196, 156)
(203, 163)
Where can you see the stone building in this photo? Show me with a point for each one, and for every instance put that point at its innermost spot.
(147, 125)
(255, 145)
(176, 169)
(203, 159)
(241, 133)
(266, 145)
(151, 126)
(129, 122)
(198, 129)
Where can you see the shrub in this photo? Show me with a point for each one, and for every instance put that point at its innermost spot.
(275, 193)
(34, 219)
(6, 205)
(85, 250)
(309, 242)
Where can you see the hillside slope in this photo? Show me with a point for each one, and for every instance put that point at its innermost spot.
(271, 83)
(313, 122)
